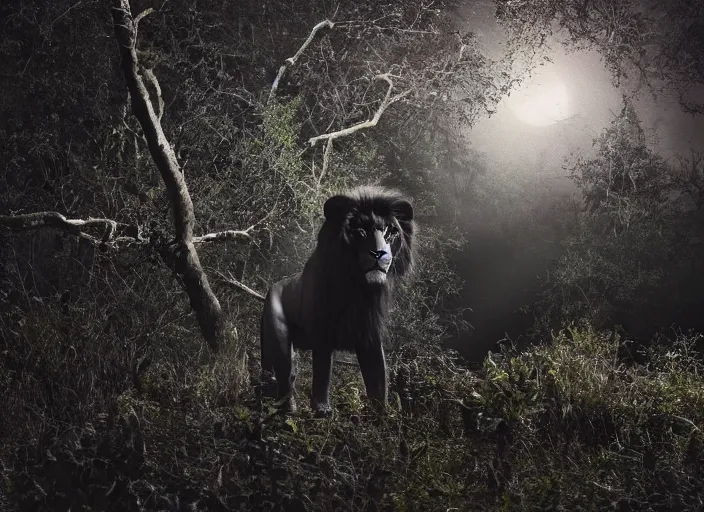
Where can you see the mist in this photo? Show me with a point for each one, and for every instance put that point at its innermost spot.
(509, 212)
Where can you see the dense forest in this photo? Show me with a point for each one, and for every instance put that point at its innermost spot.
(165, 162)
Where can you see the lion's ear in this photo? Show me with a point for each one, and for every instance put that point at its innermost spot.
(337, 207)
(402, 210)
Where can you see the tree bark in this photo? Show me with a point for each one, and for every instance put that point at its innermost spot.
(187, 265)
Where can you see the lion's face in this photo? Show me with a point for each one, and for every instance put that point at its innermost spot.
(372, 231)
(372, 241)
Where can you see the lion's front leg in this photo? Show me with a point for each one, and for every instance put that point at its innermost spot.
(277, 354)
(322, 370)
(372, 364)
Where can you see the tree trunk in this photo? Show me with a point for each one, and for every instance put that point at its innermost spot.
(202, 299)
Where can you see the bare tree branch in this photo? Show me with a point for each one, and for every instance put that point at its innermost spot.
(231, 234)
(240, 286)
(50, 219)
(292, 60)
(222, 236)
(157, 89)
(326, 160)
(142, 15)
(388, 100)
(111, 228)
(76, 227)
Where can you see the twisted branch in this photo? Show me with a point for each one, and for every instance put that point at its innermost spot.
(76, 227)
(292, 60)
(151, 77)
(387, 101)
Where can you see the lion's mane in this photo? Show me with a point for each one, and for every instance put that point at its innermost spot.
(349, 313)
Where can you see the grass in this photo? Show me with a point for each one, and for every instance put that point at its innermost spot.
(571, 424)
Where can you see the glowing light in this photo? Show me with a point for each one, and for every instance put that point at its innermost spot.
(542, 101)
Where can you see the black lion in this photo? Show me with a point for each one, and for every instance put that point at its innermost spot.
(341, 299)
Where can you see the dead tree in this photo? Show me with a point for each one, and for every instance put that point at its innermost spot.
(186, 263)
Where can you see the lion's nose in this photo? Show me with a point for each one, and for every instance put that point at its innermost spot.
(378, 254)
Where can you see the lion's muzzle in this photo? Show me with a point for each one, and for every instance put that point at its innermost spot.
(377, 263)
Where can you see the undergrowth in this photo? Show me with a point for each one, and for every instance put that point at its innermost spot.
(571, 424)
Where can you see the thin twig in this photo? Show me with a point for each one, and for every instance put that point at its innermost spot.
(607, 487)
(326, 160)
(222, 236)
(66, 12)
(240, 286)
(687, 420)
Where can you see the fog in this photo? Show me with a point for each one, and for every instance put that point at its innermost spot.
(512, 240)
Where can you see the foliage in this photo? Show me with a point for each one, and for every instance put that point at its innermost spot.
(633, 239)
(88, 336)
(565, 425)
(659, 43)
(114, 403)
(582, 426)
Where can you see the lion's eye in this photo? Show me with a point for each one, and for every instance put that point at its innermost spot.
(360, 233)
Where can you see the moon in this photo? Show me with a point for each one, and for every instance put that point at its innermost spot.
(542, 101)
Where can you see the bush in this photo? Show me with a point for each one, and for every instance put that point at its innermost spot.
(584, 426)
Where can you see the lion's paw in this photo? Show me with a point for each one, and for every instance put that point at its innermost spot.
(287, 405)
(321, 410)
